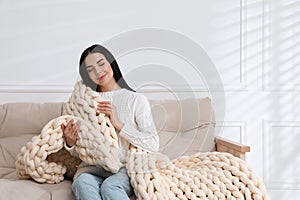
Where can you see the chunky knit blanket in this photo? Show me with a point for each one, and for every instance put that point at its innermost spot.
(211, 175)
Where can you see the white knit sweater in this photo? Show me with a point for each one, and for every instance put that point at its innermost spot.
(139, 129)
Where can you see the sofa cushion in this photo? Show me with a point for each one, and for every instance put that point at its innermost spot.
(176, 144)
(184, 126)
(8, 173)
(181, 115)
(28, 189)
(26, 118)
(10, 147)
(22, 189)
(60, 191)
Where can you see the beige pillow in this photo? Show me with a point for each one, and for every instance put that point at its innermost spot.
(26, 118)
(9, 149)
(185, 127)
(181, 115)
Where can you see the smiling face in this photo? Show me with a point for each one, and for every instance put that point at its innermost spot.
(100, 71)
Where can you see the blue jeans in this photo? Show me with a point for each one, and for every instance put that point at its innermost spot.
(91, 187)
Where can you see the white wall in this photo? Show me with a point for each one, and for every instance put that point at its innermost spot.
(253, 44)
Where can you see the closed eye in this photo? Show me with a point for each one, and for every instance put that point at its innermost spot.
(101, 64)
(90, 69)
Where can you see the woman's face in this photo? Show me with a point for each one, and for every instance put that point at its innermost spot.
(99, 69)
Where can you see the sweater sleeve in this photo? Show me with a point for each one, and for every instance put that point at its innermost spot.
(145, 135)
(71, 150)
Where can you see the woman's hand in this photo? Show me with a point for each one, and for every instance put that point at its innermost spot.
(110, 110)
(70, 132)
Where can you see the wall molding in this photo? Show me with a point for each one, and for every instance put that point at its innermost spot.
(36, 88)
(243, 46)
(267, 155)
(267, 85)
(241, 86)
(233, 124)
(67, 88)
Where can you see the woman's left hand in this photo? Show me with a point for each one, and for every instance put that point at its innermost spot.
(110, 110)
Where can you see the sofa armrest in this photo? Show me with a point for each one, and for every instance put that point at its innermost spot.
(236, 149)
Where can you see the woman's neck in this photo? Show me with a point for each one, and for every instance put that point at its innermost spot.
(109, 88)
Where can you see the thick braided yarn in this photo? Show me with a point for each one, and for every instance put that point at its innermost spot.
(98, 140)
(212, 175)
(33, 160)
(45, 160)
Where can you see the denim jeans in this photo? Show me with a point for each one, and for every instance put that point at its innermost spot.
(91, 187)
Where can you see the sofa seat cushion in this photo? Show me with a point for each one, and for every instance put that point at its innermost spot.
(22, 189)
(28, 189)
(60, 191)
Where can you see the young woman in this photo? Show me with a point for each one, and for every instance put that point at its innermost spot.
(131, 116)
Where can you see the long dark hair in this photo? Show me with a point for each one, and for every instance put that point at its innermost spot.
(96, 48)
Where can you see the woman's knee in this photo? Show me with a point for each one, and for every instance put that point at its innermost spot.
(85, 180)
(109, 185)
(87, 186)
(117, 187)
(81, 180)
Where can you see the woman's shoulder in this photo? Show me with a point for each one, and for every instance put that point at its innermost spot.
(136, 97)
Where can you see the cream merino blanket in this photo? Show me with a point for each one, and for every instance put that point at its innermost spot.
(97, 143)
(153, 176)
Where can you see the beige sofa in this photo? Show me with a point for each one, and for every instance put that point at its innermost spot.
(185, 127)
